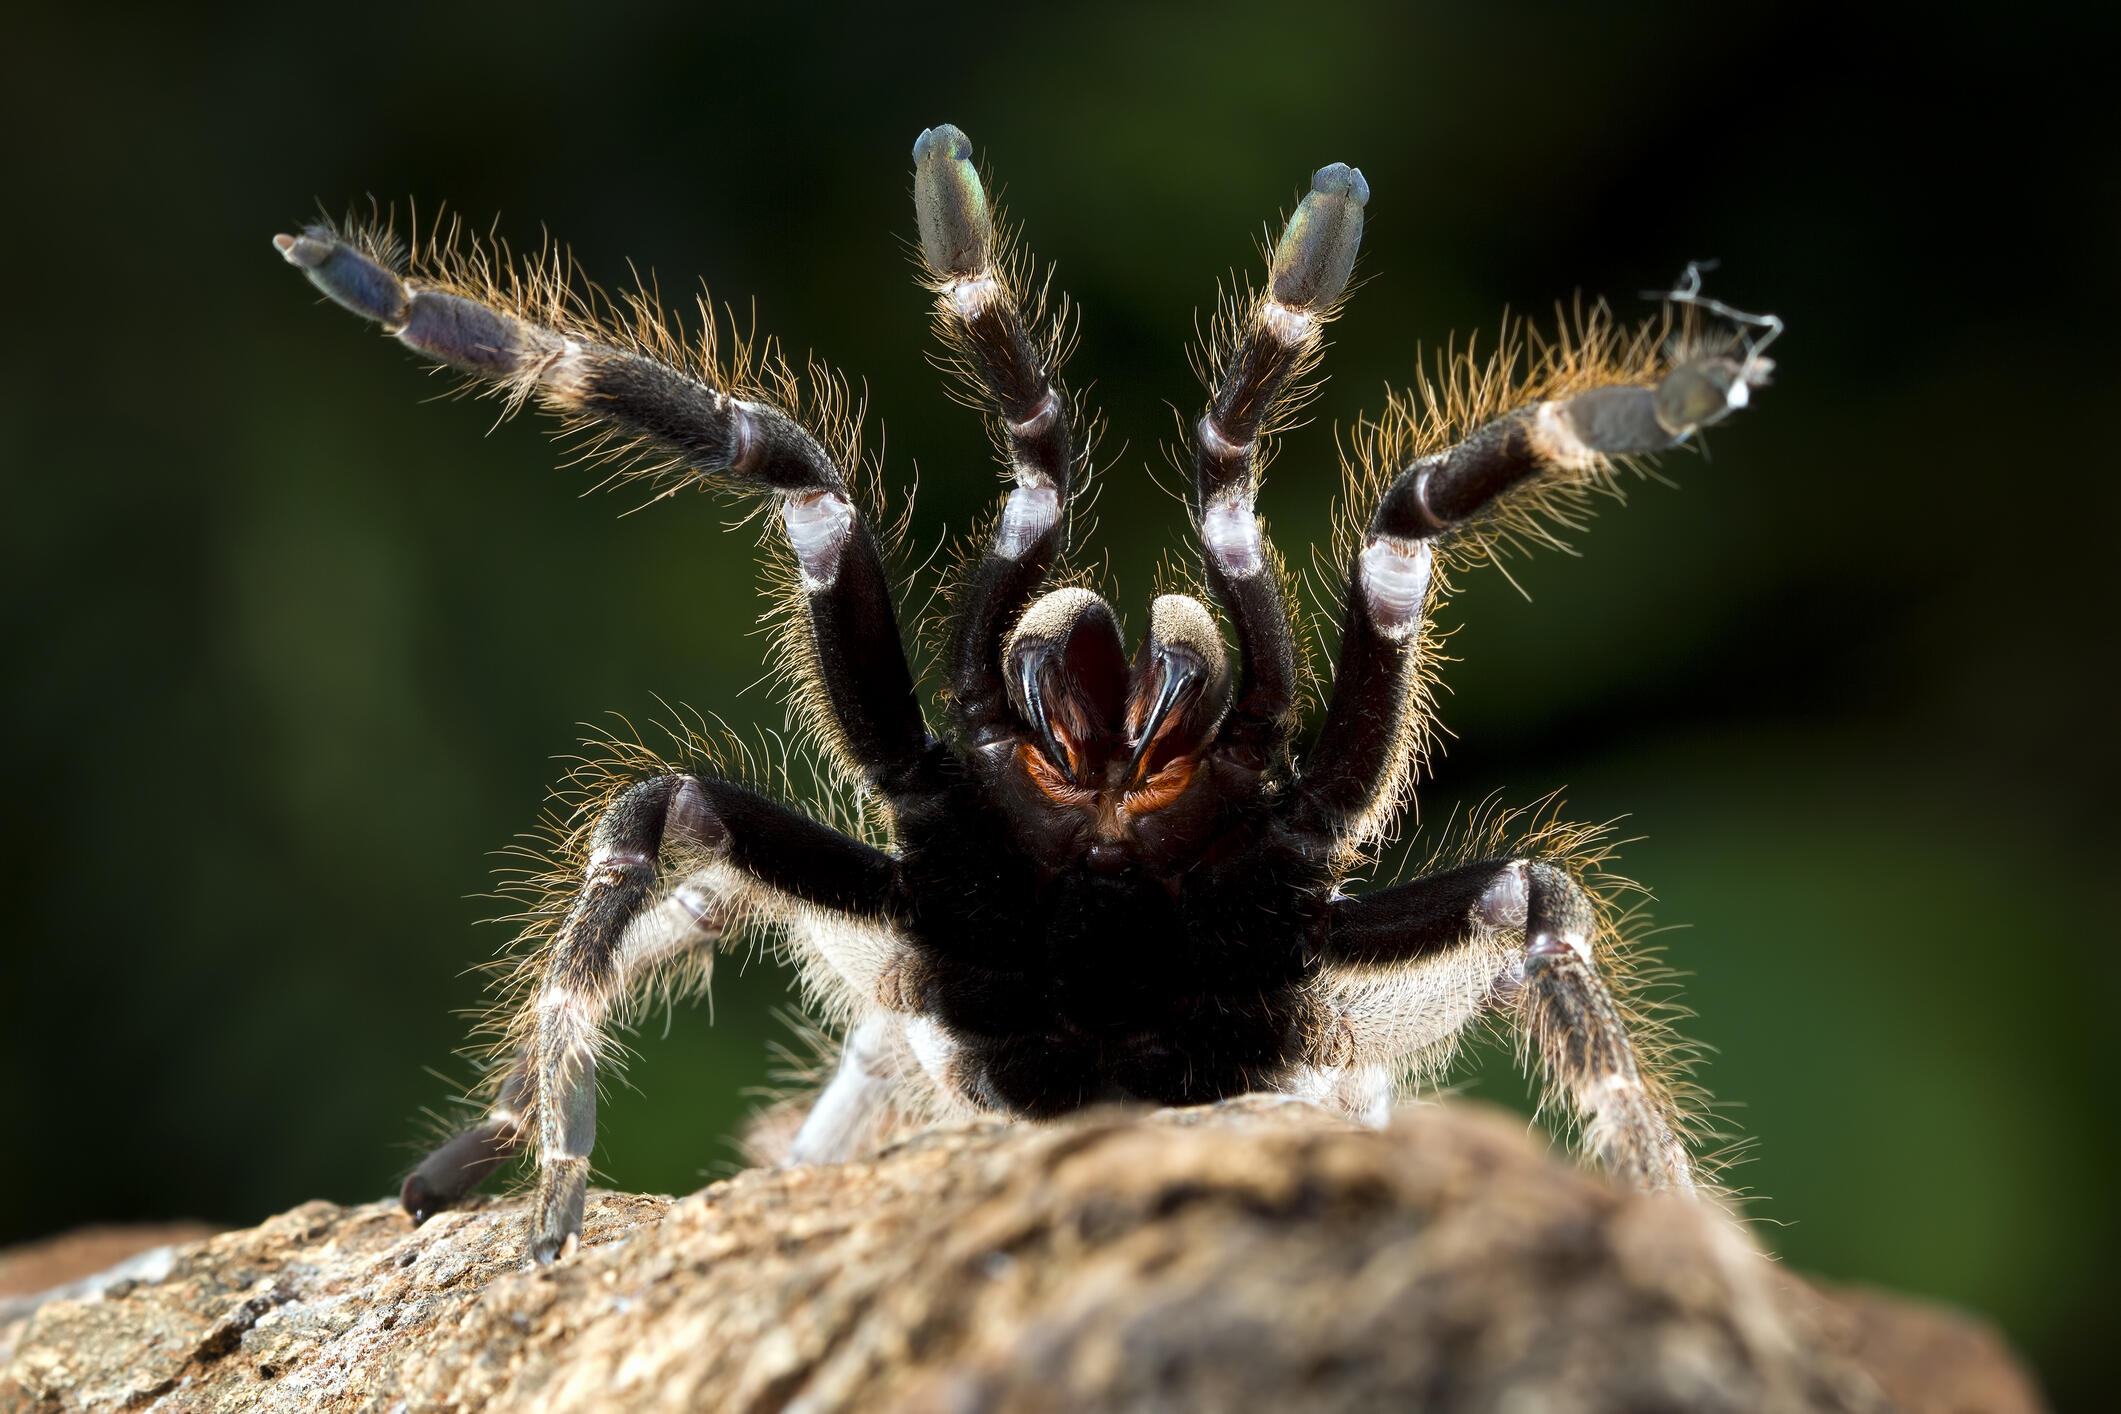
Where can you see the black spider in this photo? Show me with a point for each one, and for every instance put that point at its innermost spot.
(1110, 876)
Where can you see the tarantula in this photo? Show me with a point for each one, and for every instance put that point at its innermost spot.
(1110, 877)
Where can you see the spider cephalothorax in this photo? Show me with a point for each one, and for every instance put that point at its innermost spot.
(1110, 876)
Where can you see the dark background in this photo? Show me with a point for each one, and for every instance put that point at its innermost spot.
(290, 647)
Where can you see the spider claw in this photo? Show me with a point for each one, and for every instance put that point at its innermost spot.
(1069, 680)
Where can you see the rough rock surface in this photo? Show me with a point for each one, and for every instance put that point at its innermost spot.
(35, 1269)
(1251, 1256)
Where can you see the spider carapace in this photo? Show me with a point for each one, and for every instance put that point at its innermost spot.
(1109, 876)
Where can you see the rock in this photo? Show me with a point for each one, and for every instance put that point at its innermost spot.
(1930, 1359)
(83, 1264)
(35, 1268)
(1253, 1255)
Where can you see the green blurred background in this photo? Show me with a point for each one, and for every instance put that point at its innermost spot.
(290, 647)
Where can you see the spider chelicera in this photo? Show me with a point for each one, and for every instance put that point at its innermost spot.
(1110, 876)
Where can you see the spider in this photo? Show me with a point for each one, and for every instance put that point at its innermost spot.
(1110, 877)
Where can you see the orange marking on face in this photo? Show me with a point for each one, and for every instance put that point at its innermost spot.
(1152, 795)
(1055, 786)
(1162, 788)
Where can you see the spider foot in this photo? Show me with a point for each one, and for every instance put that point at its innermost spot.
(556, 1213)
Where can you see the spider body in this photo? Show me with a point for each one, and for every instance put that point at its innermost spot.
(1097, 980)
(1107, 876)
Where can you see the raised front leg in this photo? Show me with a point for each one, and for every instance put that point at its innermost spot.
(1275, 342)
(1356, 772)
(1560, 438)
(529, 337)
(979, 316)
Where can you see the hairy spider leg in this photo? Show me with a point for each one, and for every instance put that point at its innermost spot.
(856, 657)
(1407, 969)
(979, 319)
(575, 990)
(739, 849)
(467, 1158)
(1278, 339)
(756, 846)
(1570, 1017)
(872, 1064)
(683, 925)
(1354, 774)
(1402, 973)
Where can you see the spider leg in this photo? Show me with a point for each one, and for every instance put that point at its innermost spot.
(742, 848)
(466, 1159)
(1279, 337)
(1408, 968)
(1355, 771)
(1571, 1018)
(978, 316)
(858, 660)
(871, 1064)
(1560, 436)
(688, 919)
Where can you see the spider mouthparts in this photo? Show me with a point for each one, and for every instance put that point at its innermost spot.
(1068, 680)
(1179, 676)
(1041, 720)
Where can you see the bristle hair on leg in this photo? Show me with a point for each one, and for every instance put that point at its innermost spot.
(1624, 981)
(530, 328)
(636, 901)
(1468, 391)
